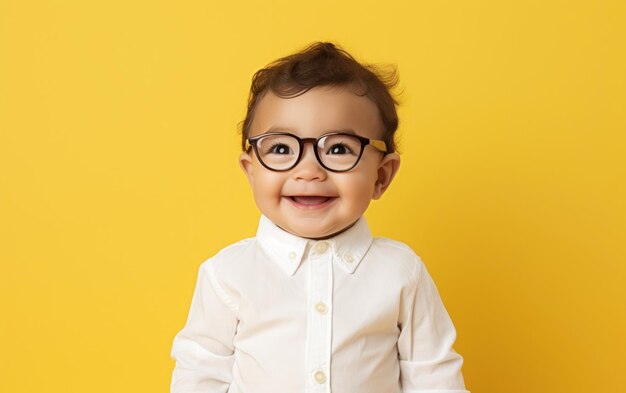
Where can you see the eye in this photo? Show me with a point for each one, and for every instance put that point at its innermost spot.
(279, 148)
(339, 148)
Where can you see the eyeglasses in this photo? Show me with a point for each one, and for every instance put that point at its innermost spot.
(336, 152)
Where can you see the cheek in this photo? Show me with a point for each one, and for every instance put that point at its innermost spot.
(357, 188)
(267, 186)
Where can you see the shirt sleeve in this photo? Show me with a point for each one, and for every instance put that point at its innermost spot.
(203, 349)
(428, 363)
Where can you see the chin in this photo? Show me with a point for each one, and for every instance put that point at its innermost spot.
(307, 233)
(315, 233)
(302, 230)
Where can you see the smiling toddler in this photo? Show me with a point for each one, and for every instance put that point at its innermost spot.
(313, 302)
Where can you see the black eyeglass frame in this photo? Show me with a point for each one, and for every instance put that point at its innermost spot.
(376, 143)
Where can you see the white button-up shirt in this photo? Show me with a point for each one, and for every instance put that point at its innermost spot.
(278, 313)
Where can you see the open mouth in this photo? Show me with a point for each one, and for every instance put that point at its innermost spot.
(310, 201)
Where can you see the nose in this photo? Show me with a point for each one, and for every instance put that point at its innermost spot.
(309, 168)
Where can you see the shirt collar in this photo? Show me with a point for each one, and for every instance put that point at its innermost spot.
(288, 250)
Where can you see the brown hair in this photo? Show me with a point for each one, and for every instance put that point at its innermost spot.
(320, 64)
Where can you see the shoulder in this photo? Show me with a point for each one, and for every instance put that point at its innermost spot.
(223, 270)
(230, 256)
(398, 253)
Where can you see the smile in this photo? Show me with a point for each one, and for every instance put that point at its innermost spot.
(310, 202)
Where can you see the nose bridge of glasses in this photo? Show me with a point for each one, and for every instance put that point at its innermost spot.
(304, 141)
(308, 161)
(303, 147)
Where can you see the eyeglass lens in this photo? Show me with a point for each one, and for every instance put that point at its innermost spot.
(336, 152)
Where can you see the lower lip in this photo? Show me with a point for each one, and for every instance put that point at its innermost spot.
(318, 206)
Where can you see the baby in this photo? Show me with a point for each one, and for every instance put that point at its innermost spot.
(314, 303)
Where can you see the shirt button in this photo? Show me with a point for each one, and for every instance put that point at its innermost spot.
(321, 247)
(321, 308)
(348, 257)
(320, 377)
(292, 255)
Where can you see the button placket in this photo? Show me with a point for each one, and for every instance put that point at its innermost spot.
(319, 314)
(321, 308)
(321, 247)
(319, 376)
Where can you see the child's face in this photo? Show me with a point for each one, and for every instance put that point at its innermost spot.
(308, 200)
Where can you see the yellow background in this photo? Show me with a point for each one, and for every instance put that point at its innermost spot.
(119, 176)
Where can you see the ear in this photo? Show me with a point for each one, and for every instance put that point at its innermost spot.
(387, 170)
(245, 162)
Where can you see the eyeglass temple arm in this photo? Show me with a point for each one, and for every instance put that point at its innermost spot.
(380, 145)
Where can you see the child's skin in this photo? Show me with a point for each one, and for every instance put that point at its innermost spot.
(326, 203)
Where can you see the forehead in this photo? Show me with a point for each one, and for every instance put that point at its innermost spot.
(320, 110)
